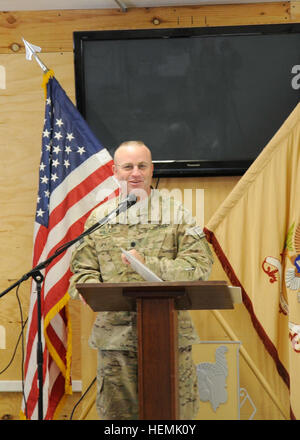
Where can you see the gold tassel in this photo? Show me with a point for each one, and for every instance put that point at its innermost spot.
(46, 77)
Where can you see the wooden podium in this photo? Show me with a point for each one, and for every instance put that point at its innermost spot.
(156, 305)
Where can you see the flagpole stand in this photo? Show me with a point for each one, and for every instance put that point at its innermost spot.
(38, 278)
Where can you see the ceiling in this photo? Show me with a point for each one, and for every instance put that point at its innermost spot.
(31, 5)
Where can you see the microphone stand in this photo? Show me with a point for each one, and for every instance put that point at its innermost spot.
(36, 274)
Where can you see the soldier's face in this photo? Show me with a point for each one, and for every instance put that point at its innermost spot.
(133, 165)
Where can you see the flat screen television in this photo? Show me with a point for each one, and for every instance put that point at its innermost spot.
(205, 100)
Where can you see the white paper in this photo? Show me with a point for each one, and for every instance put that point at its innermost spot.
(236, 294)
(140, 268)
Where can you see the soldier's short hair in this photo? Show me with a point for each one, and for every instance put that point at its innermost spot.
(136, 143)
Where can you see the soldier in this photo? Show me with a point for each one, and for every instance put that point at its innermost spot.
(162, 234)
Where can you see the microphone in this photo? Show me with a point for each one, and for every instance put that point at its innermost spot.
(123, 206)
(126, 203)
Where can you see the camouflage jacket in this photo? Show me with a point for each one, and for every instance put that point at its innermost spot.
(172, 245)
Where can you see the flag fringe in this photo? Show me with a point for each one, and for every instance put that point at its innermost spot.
(22, 415)
(46, 77)
(211, 238)
(56, 412)
(65, 370)
(59, 407)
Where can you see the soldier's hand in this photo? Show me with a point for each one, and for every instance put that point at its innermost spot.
(135, 254)
(82, 299)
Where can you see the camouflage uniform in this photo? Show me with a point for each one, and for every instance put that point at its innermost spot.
(176, 250)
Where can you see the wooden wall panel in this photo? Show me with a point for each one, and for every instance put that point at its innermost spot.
(52, 30)
(21, 119)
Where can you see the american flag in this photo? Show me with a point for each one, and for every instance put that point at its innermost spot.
(75, 173)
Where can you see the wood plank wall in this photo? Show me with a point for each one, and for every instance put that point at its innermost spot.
(21, 119)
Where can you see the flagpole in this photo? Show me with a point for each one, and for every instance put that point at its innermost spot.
(31, 51)
(35, 273)
(38, 278)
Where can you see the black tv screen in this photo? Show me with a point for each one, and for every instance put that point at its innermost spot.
(205, 100)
